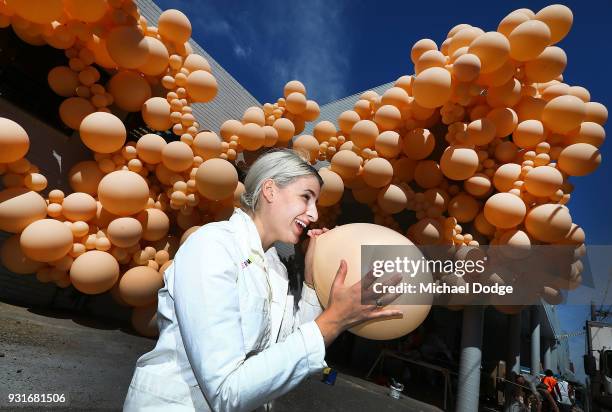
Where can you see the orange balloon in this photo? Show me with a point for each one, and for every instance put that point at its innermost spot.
(149, 148)
(124, 232)
(89, 12)
(46, 240)
(459, 163)
(332, 189)
(285, 129)
(102, 132)
(528, 40)
(421, 47)
(139, 286)
(308, 145)
(563, 114)
(216, 179)
(579, 159)
(418, 144)
(548, 222)
(493, 50)
(506, 175)
(254, 115)
(364, 133)
(155, 224)
(207, 145)
(79, 206)
(174, 25)
(432, 87)
(252, 136)
(377, 172)
(546, 66)
(347, 120)
(504, 210)
(73, 110)
(156, 113)
(196, 62)
(294, 86)
(558, 18)
(392, 199)
(346, 163)
(123, 192)
(130, 90)
(505, 120)
(481, 132)
(19, 207)
(427, 174)
(312, 111)
(466, 67)
(324, 130)
(101, 56)
(511, 21)
(506, 95)
(463, 207)
(528, 134)
(177, 156)
(588, 132)
(478, 185)
(388, 117)
(431, 58)
(201, 86)
(396, 96)
(14, 260)
(127, 46)
(596, 112)
(296, 103)
(14, 141)
(388, 144)
(94, 272)
(63, 81)
(463, 38)
(530, 108)
(37, 11)
(543, 181)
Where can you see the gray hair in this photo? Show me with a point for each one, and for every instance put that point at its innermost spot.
(282, 166)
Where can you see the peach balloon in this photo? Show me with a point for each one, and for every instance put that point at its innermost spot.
(511, 21)
(546, 66)
(195, 62)
(558, 18)
(506, 95)
(466, 68)
(156, 113)
(216, 179)
(463, 38)
(150, 147)
(459, 163)
(94, 272)
(296, 103)
(506, 175)
(324, 130)
(130, 90)
(504, 119)
(332, 189)
(463, 207)
(596, 112)
(46, 240)
(123, 192)
(139, 286)
(515, 244)
(85, 177)
(174, 25)
(63, 81)
(294, 86)
(35, 181)
(345, 242)
(37, 11)
(588, 132)
(88, 12)
(427, 174)
(530, 108)
(431, 58)
(388, 117)
(177, 156)
(528, 40)
(73, 110)
(101, 56)
(492, 48)
(285, 129)
(14, 260)
(421, 47)
(543, 181)
(427, 231)
(346, 163)
(252, 136)
(478, 185)
(418, 143)
(201, 86)
(528, 134)
(548, 222)
(432, 87)
(396, 96)
(307, 144)
(271, 136)
(504, 210)
(207, 145)
(312, 111)
(124, 232)
(79, 206)
(229, 128)
(377, 172)
(155, 224)
(127, 46)
(364, 133)
(14, 141)
(144, 320)
(102, 132)
(254, 115)
(481, 132)
(392, 199)
(388, 144)
(19, 207)
(563, 114)
(579, 159)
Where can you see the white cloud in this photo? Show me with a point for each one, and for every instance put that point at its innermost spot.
(242, 52)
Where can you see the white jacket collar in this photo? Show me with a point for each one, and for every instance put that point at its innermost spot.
(248, 234)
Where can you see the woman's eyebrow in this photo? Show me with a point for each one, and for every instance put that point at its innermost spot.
(310, 191)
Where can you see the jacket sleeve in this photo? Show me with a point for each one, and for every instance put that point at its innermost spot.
(207, 309)
(308, 307)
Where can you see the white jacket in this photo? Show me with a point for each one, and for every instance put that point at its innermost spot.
(230, 339)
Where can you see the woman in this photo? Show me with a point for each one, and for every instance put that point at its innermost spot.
(230, 339)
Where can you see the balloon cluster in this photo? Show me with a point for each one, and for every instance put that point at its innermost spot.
(479, 144)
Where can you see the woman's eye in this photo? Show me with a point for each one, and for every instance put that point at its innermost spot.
(307, 197)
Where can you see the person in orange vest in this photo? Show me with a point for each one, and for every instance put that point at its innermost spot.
(551, 385)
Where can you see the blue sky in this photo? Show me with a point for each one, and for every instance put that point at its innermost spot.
(337, 48)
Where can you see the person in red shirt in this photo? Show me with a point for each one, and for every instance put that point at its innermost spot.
(551, 385)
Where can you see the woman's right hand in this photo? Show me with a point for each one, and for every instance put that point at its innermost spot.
(345, 308)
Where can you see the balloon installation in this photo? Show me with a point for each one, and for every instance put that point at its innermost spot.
(478, 144)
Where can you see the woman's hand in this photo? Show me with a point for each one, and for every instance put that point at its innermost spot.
(309, 256)
(345, 308)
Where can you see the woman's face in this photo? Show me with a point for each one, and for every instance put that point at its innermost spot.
(293, 208)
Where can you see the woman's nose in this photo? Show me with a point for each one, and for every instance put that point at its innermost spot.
(312, 212)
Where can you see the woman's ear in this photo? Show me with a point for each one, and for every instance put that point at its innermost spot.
(268, 190)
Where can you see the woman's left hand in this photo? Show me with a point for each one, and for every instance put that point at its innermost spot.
(309, 256)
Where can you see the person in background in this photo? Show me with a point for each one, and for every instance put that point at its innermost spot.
(552, 385)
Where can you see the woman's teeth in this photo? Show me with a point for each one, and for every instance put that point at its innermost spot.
(300, 223)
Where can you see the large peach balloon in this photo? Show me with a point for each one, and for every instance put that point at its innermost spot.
(127, 46)
(254, 115)
(347, 120)
(46, 240)
(177, 156)
(73, 110)
(216, 179)
(588, 132)
(102, 132)
(377, 172)
(14, 141)
(463, 207)
(543, 181)
(558, 18)
(155, 224)
(563, 114)
(418, 144)
(481, 132)
(174, 25)
(285, 129)
(156, 113)
(13, 258)
(101, 56)
(432, 87)
(596, 112)
(579, 159)
(492, 48)
(332, 189)
(130, 90)
(345, 242)
(459, 163)
(63, 81)
(346, 163)
(312, 111)
(87, 11)
(388, 117)
(124, 232)
(123, 192)
(201, 86)
(392, 199)
(504, 210)
(296, 103)
(467, 67)
(37, 11)
(506, 175)
(85, 177)
(528, 40)
(307, 144)
(139, 285)
(547, 65)
(94, 272)
(421, 47)
(504, 119)
(252, 136)
(388, 144)
(19, 207)
(150, 147)
(207, 145)
(364, 133)
(427, 174)
(325, 129)
(195, 62)
(548, 222)
(529, 133)
(79, 206)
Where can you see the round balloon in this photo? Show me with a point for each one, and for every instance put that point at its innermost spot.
(94, 272)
